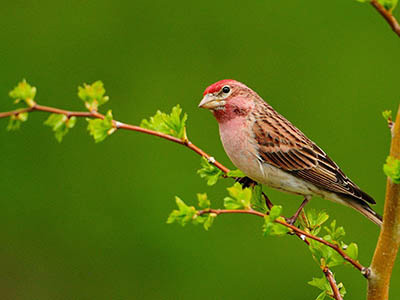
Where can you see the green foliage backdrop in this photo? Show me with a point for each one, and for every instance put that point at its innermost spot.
(81, 220)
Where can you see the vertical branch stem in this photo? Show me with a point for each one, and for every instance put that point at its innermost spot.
(389, 238)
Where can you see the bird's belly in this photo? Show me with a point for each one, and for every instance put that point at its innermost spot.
(243, 155)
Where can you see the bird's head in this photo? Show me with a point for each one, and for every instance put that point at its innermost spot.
(227, 99)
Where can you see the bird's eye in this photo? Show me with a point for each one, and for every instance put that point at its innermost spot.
(226, 89)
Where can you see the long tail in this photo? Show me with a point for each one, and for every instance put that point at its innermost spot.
(366, 210)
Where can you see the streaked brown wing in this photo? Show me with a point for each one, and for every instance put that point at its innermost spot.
(284, 146)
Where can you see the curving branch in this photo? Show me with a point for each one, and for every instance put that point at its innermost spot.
(387, 15)
(302, 235)
(118, 125)
(299, 232)
(389, 238)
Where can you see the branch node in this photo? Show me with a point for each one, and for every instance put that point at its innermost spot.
(366, 272)
(211, 160)
(118, 124)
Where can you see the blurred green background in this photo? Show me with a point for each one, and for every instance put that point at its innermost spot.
(87, 221)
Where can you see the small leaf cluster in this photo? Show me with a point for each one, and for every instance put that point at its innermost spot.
(60, 124)
(172, 124)
(239, 198)
(392, 169)
(15, 121)
(271, 227)
(101, 128)
(323, 284)
(212, 174)
(93, 95)
(25, 92)
(189, 214)
(257, 200)
(387, 115)
(209, 172)
(312, 222)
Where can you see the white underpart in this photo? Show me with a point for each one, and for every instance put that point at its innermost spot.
(243, 155)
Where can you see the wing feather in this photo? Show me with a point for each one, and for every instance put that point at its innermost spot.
(284, 146)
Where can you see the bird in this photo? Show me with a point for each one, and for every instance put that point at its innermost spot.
(270, 150)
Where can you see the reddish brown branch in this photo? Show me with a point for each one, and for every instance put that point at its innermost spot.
(301, 233)
(332, 283)
(118, 125)
(387, 15)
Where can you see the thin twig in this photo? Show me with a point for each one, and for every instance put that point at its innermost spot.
(332, 283)
(387, 15)
(301, 233)
(118, 125)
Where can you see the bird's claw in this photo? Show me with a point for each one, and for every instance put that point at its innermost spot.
(246, 182)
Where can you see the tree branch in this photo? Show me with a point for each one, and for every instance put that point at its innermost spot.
(332, 283)
(387, 15)
(118, 125)
(301, 233)
(389, 238)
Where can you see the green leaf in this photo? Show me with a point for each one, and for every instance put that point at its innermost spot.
(320, 283)
(172, 124)
(313, 220)
(209, 221)
(60, 124)
(323, 285)
(388, 4)
(16, 120)
(270, 227)
(184, 214)
(335, 234)
(275, 212)
(325, 255)
(387, 115)
(93, 95)
(24, 91)
(100, 129)
(342, 289)
(392, 169)
(239, 198)
(209, 172)
(352, 250)
(235, 174)
(257, 200)
(321, 296)
(204, 202)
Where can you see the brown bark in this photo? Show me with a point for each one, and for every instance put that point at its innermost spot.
(389, 238)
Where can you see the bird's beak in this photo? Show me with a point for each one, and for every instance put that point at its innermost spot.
(211, 102)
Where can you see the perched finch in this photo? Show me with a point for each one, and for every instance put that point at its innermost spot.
(272, 151)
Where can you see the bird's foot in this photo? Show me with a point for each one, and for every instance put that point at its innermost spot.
(293, 219)
(246, 182)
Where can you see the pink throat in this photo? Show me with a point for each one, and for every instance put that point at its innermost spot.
(234, 108)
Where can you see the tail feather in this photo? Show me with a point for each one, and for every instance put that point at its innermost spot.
(366, 210)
